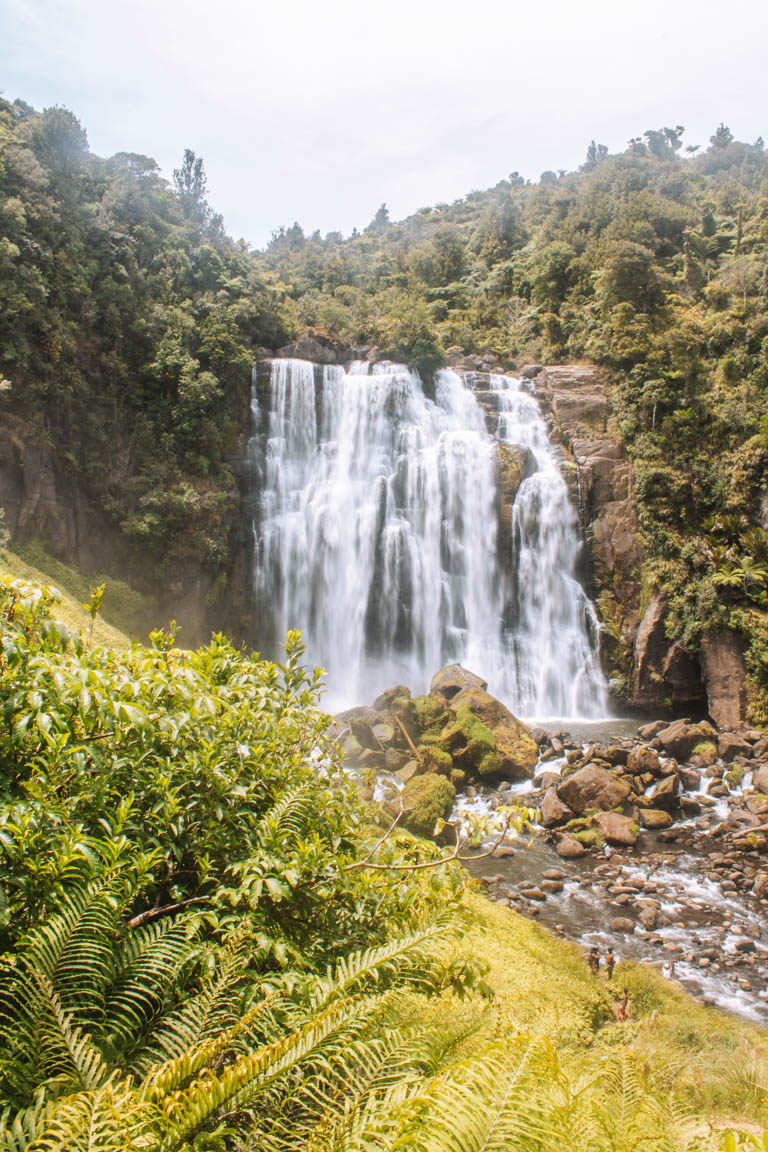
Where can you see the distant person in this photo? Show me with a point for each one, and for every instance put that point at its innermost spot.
(610, 963)
(594, 961)
(623, 1009)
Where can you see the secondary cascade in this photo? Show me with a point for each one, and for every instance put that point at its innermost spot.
(376, 533)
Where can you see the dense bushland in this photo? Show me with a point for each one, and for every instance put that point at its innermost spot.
(128, 323)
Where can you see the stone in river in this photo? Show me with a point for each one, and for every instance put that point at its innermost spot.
(616, 829)
(553, 811)
(654, 818)
(593, 787)
(622, 924)
(570, 848)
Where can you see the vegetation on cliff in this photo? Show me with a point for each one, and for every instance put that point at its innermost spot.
(129, 322)
(204, 944)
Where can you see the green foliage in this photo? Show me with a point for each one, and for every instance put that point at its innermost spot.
(130, 320)
(469, 737)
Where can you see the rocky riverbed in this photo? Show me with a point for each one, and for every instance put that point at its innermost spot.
(653, 841)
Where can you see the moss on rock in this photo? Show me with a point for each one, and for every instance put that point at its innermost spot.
(433, 758)
(472, 744)
(425, 800)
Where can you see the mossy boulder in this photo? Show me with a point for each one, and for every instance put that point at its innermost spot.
(433, 758)
(508, 748)
(425, 800)
(429, 714)
(452, 679)
(471, 743)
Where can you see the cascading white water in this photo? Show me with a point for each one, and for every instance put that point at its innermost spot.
(375, 533)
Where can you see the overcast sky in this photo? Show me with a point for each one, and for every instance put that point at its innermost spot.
(319, 110)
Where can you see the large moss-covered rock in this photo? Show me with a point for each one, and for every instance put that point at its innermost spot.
(452, 679)
(471, 743)
(515, 750)
(425, 800)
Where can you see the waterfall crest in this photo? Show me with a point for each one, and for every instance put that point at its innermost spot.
(376, 532)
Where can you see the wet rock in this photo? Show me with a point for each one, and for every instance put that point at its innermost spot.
(680, 738)
(534, 894)
(554, 874)
(554, 811)
(744, 944)
(452, 679)
(593, 787)
(515, 750)
(408, 771)
(569, 848)
(642, 759)
(616, 829)
(654, 818)
(760, 779)
(664, 794)
(689, 779)
(503, 852)
(623, 925)
(514, 464)
(760, 886)
(547, 780)
(649, 731)
(729, 746)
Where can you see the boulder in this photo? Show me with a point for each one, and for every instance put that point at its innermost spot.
(664, 794)
(725, 677)
(642, 759)
(680, 738)
(760, 779)
(622, 924)
(690, 779)
(654, 818)
(649, 731)
(616, 829)
(530, 371)
(399, 692)
(425, 800)
(729, 746)
(449, 681)
(593, 788)
(569, 848)
(513, 747)
(408, 771)
(318, 349)
(515, 750)
(553, 811)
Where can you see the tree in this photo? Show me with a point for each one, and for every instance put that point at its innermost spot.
(722, 137)
(190, 184)
(596, 153)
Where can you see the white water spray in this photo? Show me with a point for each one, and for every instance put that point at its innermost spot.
(375, 534)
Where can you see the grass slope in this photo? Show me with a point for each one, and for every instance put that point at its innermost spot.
(74, 589)
(715, 1064)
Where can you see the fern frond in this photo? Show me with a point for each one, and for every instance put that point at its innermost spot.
(147, 965)
(415, 957)
(65, 1053)
(252, 1074)
(285, 821)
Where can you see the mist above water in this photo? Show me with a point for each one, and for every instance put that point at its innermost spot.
(376, 534)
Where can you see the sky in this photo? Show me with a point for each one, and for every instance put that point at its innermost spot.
(320, 110)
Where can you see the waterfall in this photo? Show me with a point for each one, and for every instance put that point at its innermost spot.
(376, 533)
